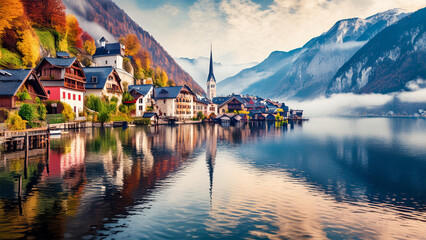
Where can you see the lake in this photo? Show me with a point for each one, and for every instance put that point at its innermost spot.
(336, 178)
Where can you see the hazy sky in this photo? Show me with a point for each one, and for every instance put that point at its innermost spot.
(246, 30)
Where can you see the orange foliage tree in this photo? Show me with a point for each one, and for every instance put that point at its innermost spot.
(74, 32)
(47, 13)
(9, 11)
(131, 44)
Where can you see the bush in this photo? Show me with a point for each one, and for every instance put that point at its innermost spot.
(123, 108)
(200, 116)
(94, 103)
(15, 122)
(279, 118)
(4, 114)
(42, 111)
(68, 112)
(127, 97)
(23, 94)
(149, 108)
(143, 121)
(114, 99)
(28, 112)
(112, 107)
(104, 116)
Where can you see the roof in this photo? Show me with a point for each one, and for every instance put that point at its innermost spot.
(149, 115)
(61, 62)
(141, 89)
(109, 49)
(101, 74)
(211, 75)
(11, 81)
(103, 39)
(62, 55)
(220, 100)
(169, 92)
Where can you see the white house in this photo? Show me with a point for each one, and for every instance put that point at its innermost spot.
(143, 96)
(175, 101)
(103, 81)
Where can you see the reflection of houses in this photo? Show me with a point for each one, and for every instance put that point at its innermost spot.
(174, 102)
(13, 81)
(103, 81)
(142, 95)
(71, 157)
(64, 80)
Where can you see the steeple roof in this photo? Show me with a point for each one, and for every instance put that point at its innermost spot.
(211, 75)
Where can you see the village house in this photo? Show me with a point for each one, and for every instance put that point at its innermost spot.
(200, 106)
(142, 95)
(175, 101)
(112, 55)
(13, 81)
(103, 81)
(231, 104)
(64, 80)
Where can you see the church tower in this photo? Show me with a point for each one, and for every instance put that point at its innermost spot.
(211, 81)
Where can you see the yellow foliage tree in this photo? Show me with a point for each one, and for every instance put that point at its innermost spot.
(67, 113)
(90, 47)
(63, 44)
(29, 47)
(164, 79)
(9, 11)
(15, 122)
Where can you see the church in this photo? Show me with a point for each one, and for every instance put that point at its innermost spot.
(211, 80)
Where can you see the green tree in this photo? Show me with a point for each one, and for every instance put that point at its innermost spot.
(42, 111)
(104, 116)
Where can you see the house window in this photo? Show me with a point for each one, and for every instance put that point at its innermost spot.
(48, 92)
(64, 95)
(73, 97)
(69, 96)
(79, 97)
(140, 108)
(75, 109)
(140, 100)
(94, 79)
(164, 101)
(115, 61)
(106, 62)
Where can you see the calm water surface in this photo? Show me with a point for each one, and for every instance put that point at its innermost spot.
(339, 178)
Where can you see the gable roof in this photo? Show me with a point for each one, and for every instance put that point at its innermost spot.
(109, 49)
(62, 55)
(12, 80)
(170, 92)
(149, 115)
(101, 74)
(141, 89)
(60, 62)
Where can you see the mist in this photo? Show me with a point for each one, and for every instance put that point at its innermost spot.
(347, 104)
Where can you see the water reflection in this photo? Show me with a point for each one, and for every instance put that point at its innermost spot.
(327, 178)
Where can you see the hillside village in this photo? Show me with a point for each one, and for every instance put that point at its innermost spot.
(54, 72)
(62, 83)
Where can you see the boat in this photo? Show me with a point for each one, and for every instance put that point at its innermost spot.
(55, 131)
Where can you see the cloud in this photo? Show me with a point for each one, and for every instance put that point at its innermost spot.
(246, 31)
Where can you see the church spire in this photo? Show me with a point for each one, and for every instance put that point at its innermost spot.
(211, 75)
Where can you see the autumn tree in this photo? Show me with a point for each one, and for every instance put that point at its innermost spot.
(47, 13)
(86, 37)
(29, 47)
(131, 44)
(160, 77)
(89, 46)
(9, 11)
(74, 32)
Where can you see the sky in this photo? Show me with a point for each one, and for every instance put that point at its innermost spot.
(244, 31)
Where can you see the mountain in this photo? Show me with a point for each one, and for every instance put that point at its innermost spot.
(198, 68)
(306, 72)
(106, 15)
(394, 57)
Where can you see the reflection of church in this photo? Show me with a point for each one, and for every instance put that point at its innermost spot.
(211, 148)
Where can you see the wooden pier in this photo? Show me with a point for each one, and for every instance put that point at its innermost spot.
(25, 139)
